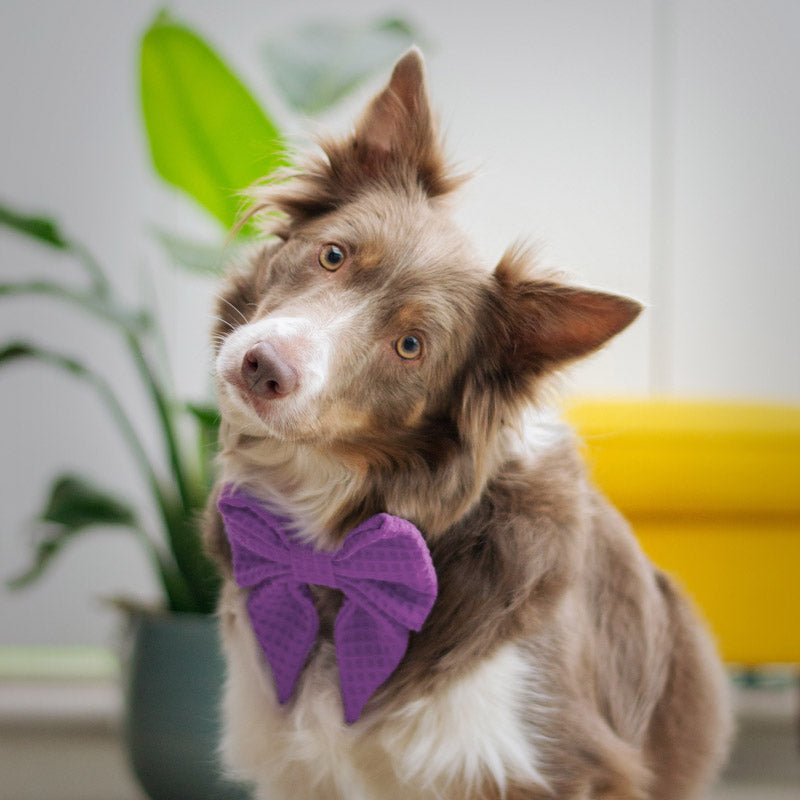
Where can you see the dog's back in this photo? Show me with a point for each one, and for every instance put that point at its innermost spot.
(369, 364)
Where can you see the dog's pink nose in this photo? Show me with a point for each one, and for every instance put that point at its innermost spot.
(267, 374)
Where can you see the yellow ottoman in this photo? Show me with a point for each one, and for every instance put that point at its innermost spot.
(713, 492)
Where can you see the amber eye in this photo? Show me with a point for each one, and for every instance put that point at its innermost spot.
(331, 257)
(408, 347)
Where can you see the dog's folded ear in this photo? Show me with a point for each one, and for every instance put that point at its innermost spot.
(530, 326)
(541, 323)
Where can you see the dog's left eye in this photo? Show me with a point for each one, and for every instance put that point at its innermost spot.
(331, 257)
(408, 347)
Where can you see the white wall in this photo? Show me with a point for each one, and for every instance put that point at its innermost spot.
(735, 262)
(651, 147)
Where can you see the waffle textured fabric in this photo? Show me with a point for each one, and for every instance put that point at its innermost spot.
(383, 568)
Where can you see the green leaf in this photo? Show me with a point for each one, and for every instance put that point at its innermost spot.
(207, 134)
(13, 351)
(320, 62)
(41, 228)
(48, 232)
(179, 595)
(74, 506)
(204, 259)
(206, 415)
(97, 304)
(16, 350)
(188, 577)
(76, 503)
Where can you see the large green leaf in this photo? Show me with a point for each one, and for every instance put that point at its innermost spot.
(320, 62)
(41, 228)
(207, 134)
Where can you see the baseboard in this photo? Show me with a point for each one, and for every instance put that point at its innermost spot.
(59, 686)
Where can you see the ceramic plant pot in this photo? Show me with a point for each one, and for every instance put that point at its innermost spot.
(173, 675)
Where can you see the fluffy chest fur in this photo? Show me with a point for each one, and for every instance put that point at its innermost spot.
(470, 734)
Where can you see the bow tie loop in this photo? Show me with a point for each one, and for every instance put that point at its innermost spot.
(383, 568)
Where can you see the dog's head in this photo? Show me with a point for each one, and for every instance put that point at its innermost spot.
(370, 328)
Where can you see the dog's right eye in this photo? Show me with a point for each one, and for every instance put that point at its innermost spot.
(331, 257)
(409, 347)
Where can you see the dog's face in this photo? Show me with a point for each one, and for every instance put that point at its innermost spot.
(370, 326)
(359, 324)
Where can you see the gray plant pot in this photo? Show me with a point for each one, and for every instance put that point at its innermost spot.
(174, 673)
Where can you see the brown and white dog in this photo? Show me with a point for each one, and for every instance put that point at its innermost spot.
(368, 362)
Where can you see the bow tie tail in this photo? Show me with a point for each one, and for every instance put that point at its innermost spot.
(285, 622)
(369, 647)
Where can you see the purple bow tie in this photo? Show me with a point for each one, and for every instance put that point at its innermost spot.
(383, 568)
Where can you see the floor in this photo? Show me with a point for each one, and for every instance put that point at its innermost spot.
(46, 759)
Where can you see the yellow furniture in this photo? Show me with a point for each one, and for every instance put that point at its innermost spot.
(713, 493)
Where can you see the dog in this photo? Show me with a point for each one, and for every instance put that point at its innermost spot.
(375, 376)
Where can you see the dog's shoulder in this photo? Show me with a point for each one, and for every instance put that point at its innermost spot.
(503, 567)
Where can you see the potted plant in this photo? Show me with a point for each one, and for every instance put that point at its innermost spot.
(206, 134)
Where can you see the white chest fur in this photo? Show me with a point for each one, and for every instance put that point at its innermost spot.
(468, 733)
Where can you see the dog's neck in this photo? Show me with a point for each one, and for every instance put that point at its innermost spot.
(325, 496)
(292, 479)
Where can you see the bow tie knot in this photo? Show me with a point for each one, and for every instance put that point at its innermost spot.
(312, 567)
(383, 568)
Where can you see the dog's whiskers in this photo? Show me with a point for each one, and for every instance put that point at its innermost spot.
(237, 310)
(219, 336)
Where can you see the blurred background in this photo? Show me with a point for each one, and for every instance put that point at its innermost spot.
(649, 147)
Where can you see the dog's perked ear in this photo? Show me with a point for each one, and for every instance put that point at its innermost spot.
(397, 132)
(395, 146)
(399, 110)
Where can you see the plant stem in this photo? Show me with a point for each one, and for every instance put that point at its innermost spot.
(179, 595)
(200, 576)
(164, 413)
(180, 526)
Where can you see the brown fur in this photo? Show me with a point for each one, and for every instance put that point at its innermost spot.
(525, 550)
